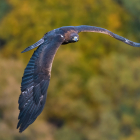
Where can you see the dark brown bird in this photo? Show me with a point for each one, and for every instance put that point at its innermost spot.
(36, 78)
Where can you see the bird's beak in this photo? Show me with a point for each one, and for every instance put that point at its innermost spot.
(75, 38)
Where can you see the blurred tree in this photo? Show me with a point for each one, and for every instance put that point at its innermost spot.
(94, 90)
(4, 8)
(133, 8)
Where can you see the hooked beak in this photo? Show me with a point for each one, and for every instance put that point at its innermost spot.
(75, 38)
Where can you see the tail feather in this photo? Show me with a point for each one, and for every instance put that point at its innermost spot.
(34, 45)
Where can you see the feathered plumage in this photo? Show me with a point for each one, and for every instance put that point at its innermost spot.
(36, 78)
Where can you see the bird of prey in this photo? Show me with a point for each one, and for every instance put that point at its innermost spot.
(36, 78)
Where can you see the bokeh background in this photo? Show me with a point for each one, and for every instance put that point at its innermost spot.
(94, 92)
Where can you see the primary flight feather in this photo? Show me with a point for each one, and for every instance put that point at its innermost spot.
(36, 78)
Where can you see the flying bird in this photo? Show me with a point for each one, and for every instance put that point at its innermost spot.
(37, 73)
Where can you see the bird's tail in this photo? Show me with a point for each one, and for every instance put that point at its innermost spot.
(34, 45)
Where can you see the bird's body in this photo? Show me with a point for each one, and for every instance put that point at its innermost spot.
(35, 80)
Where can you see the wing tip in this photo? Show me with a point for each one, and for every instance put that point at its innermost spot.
(22, 126)
(20, 129)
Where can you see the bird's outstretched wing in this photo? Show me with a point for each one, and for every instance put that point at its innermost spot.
(85, 28)
(35, 82)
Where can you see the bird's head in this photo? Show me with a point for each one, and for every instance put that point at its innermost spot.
(74, 38)
(71, 37)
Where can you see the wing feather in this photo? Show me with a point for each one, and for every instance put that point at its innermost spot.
(35, 82)
(85, 28)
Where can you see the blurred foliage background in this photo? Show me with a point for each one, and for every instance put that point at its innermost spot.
(94, 92)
